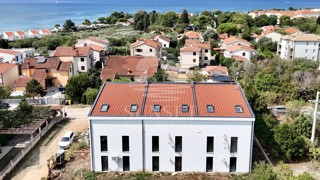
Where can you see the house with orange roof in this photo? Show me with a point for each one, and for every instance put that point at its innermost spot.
(193, 35)
(81, 57)
(47, 71)
(9, 73)
(44, 32)
(239, 53)
(9, 36)
(195, 53)
(163, 40)
(146, 47)
(171, 127)
(20, 34)
(11, 56)
(234, 40)
(139, 68)
(34, 33)
(99, 46)
(217, 70)
(299, 46)
(292, 31)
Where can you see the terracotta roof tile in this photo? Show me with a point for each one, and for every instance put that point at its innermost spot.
(162, 37)
(39, 75)
(170, 97)
(217, 70)
(99, 40)
(50, 63)
(239, 47)
(34, 32)
(64, 66)
(21, 33)
(96, 47)
(72, 51)
(193, 35)
(9, 33)
(240, 58)
(4, 67)
(120, 97)
(29, 63)
(198, 43)
(224, 98)
(22, 81)
(190, 49)
(137, 65)
(223, 36)
(45, 31)
(148, 42)
(291, 30)
(234, 39)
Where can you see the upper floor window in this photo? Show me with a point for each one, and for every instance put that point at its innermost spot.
(139, 50)
(243, 54)
(206, 50)
(239, 109)
(185, 108)
(82, 59)
(104, 108)
(156, 108)
(210, 108)
(150, 50)
(194, 53)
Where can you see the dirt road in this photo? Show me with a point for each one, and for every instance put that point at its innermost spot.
(35, 166)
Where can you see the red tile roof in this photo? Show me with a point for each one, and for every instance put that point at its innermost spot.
(162, 37)
(240, 58)
(22, 81)
(98, 40)
(39, 75)
(45, 31)
(29, 63)
(190, 49)
(217, 69)
(64, 66)
(72, 51)
(148, 42)
(21, 33)
(120, 97)
(170, 97)
(4, 67)
(239, 47)
(198, 43)
(291, 30)
(34, 32)
(136, 64)
(50, 63)
(223, 36)
(96, 47)
(9, 33)
(193, 35)
(234, 39)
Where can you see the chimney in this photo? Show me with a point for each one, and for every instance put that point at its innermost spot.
(73, 47)
(191, 45)
(77, 52)
(129, 71)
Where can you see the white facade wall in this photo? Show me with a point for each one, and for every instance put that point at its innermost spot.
(247, 54)
(145, 51)
(274, 36)
(205, 54)
(165, 44)
(187, 59)
(194, 141)
(9, 38)
(224, 46)
(290, 50)
(86, 63)
(10, 58)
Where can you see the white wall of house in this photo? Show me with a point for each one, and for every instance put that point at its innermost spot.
(274, 36)
(144, 50)
(10, 57)
(18, 36)
(246, 54)
(194, 134)
(223, 46)
(165, 44)
(9, 38)
(290, 50)
(205, 56)
(188, 59)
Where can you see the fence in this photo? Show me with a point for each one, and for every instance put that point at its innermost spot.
(40, 101)
(25, 150)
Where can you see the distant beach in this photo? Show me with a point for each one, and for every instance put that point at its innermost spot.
(25, 16)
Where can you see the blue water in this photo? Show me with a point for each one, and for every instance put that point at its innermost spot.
(19, 14)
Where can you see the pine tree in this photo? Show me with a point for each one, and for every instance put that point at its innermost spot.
(184, 18)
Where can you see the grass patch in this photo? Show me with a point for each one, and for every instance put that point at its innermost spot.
(76, 146)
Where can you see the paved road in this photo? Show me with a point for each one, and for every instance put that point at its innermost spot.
(35, 165)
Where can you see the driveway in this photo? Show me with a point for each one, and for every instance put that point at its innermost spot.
(34, 166)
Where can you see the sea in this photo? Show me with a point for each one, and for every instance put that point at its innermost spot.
(36, 14)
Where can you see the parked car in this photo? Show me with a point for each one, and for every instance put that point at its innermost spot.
(4, 105)
(66, 140)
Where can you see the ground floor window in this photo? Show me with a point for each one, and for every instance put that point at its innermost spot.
(104, 163)
(209, 166)
(233, 164)
(155, 163)
(178, 163)
(126, 163)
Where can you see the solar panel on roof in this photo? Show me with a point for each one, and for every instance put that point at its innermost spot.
(41, 60)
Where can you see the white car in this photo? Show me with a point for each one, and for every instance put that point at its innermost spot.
(66, 140)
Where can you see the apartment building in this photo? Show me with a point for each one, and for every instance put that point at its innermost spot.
(171, 127)
(195, 53)
(299, 46)
(99, 46)
(146, 47)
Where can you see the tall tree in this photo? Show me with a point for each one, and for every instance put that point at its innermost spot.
(34, 88)
(140, 20)
(170, 19)
(69, 25)
(229, 28)
(184, 17)
(285, 21)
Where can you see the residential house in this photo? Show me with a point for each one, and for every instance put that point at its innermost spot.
(146, 47)
(9, 73)
(81, 57)
(292, 31)
(11, 56)
(137, 67)
(26, 52)
(193, 35)
(44, 32)
(99, 46)
(20, 34)
(47, 71)
(33, 33)
(195, 53)
(163, 40)
(223, 36)
(171, 127)
(217, 70)
(9, 36)
(240, 53)
(274, 36)
(21, 84)
(299, 46)
(234, 40)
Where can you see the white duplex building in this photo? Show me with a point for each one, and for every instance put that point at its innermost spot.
(299, 46)
(171, 127)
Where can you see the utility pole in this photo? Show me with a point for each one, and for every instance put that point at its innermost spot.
(315, 117)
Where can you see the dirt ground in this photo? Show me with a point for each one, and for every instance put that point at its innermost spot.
(35, 165)
(312, 167)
